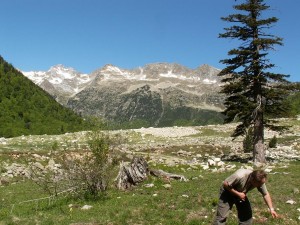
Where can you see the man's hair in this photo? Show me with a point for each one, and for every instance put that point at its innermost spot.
(258, 175)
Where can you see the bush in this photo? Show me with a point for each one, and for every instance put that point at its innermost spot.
(273, 142)
(83, 174)
(89, 172)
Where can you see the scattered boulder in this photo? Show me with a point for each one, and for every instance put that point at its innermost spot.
(86, 207)
(4, 181)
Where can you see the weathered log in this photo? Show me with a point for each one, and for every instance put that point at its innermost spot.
(166, 175)
(131, 174)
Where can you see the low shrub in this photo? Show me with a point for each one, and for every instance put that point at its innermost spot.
(273, 142)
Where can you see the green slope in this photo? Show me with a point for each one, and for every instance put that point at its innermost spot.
(27, 109)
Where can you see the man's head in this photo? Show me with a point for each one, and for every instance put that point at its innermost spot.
(258, 178)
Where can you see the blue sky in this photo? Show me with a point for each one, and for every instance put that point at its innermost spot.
(87, 34)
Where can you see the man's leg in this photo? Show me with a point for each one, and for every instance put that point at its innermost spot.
(244, 212)
(224, 206)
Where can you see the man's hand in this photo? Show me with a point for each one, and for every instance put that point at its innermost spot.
(273, 213)
(242, 196)
(268, 201)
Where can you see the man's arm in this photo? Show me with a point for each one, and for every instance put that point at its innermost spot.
(240, 195)
(268, 201)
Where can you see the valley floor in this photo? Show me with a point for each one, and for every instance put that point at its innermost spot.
(205, 155)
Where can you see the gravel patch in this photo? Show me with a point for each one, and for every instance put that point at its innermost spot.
(169, 131)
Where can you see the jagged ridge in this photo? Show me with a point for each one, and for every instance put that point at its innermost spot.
(159, 94)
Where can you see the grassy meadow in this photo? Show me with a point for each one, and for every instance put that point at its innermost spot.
(192, 202)
(164, 202)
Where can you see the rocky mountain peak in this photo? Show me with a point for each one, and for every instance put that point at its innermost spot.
(207, 70)
(62, 72)
(108, 67)
(60, 81)
(59, 66)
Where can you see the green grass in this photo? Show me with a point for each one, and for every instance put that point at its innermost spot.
(191, 202)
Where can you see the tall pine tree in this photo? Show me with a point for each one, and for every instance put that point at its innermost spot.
(254, 93)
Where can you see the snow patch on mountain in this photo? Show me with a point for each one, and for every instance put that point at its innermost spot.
(170, 74)
(55, 80)
(113, 69)
(36, 76)
(207, 81)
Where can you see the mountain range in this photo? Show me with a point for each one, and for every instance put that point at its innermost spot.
(158, 94)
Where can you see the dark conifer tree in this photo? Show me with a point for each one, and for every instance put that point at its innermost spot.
(254, 93)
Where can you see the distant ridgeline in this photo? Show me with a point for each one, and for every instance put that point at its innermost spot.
(27, 109)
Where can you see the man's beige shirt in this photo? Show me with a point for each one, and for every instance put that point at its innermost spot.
(240, 181)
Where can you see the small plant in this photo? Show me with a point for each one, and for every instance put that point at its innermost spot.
(54, 146)
(248, 141)
(2, 169)
(273, 142)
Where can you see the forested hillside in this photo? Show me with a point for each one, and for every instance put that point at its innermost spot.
(26, 109)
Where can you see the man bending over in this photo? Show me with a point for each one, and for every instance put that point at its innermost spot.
(234, 192)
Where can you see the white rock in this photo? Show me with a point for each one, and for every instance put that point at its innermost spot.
(220, 163)
(38, 165)
(205, 167)
(149, 185)
(268, 170)
(51, 163)
(211, 162)
(214, 170)
(292, 202)
(217, 159)
(167, 186)
(86, 207)
(36, 156)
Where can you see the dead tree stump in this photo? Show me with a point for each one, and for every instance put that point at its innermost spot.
(131, 174)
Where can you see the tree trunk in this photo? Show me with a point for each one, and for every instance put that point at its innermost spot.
(258, 135)
(258, 119)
